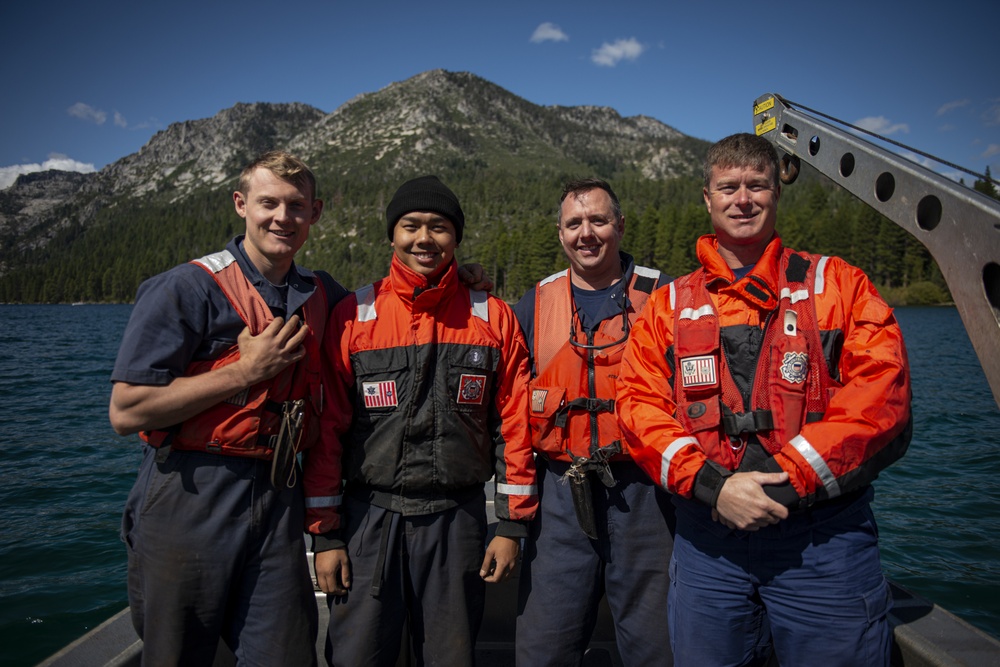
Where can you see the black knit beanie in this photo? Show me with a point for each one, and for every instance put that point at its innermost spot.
(426, 193)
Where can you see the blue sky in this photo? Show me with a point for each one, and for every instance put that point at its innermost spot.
(86, 84)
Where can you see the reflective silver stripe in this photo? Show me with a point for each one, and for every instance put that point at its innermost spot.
(819, 466)
(796, 296)
(820, 270)
(366, 303)
(554, 276)
(217, 260)
(518, 489)
(692, 314)
(324, 501)
(480, 304)
(673, 295)
(647, 272)
(668, 455)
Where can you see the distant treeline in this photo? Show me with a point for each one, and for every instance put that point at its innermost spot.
(510, 229)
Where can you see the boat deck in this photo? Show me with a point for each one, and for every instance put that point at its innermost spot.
(925, 636)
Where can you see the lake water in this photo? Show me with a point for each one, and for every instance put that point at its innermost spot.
(65, 474)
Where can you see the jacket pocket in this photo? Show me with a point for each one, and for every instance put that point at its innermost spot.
(544, 416)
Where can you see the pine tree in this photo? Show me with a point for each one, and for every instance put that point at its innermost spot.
(986, 185)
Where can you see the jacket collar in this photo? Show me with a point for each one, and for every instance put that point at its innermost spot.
(416, 291)
(766, 268)
(301, 282)
(760, 286)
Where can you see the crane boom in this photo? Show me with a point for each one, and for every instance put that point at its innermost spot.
(960, 227)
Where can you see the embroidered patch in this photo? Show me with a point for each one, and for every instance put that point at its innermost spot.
(471, 389)
(698, 371)
(474, 357)
(795, 367)
(380, 394)
(538, 399)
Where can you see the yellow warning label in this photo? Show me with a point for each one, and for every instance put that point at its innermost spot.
(767, 126)
(763, 106)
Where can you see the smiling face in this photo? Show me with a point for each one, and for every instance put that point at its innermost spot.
(591, 234)
(425, 242)
(743, 205)
(278, 216)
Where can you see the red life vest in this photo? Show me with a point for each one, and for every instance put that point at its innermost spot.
(572, 396)
(792, 383)
(247, 423)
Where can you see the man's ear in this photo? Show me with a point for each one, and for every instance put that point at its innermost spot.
(240, 203)
(317, 210)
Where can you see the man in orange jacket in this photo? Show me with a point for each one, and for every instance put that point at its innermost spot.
(766, 391)
(427, 401)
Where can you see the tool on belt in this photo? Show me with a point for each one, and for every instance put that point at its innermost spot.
(578, 475)
(283, 464)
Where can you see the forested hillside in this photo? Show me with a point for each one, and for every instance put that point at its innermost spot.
(510, 230)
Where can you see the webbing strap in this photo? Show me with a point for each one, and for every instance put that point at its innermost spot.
(594, 405)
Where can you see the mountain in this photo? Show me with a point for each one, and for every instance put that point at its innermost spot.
(458, 119)
(170, 201)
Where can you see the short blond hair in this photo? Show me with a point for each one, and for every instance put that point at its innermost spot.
(283, 165)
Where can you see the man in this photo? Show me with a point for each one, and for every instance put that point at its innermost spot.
(603, 528)
(427, 401)
(219, 372)
(766, 390)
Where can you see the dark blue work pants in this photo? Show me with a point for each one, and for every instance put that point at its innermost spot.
(421, 570)
(564, 573)
(214, 550)
(812, 583)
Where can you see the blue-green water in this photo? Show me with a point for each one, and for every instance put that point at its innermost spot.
(64, 475)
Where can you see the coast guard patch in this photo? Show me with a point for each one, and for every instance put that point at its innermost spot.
(795, 367)
(471, 389)
(380, 394)
(698, 371)
(538, 399)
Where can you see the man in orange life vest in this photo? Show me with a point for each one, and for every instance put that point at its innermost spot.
(219, 372)
(603, 527)
(766, 391)
(427, 402)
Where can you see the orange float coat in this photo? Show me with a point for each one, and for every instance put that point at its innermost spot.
(247, 424)
(427, 400)
(830, 400)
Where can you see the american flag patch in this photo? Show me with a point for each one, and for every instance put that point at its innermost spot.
(698, 371)
(380, 394)
(538, 399)
(239, 398)
(471, 389)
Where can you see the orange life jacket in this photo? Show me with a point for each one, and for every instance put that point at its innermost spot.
(792, 383)
(247, 423)
(572, 397)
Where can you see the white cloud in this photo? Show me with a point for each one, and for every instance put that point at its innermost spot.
(9, 174)
(991, 150)
(610, 55)
(951, 106)
(992, 115)
(549, 32)
(882, 125)
(87, 112)
(120, 120)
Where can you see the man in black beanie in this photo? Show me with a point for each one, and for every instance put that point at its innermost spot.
(428, 401)
(426, 193)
